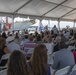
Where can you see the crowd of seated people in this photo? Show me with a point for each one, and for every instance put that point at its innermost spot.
(41, 45)
(37, 65)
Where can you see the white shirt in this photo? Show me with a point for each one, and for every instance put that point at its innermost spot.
(49, 47)
(67, 35)
(55, 30)
(13, 46)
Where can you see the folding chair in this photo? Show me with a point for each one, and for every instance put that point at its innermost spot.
(29, 53)
(63, 71)
(3, 72)
(73, 72)
(28, 46)
(4, 57)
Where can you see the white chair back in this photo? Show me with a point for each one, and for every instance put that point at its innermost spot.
(5, 56)
(63, 71)
(30, 51)
(3, 72)
(73, 72)
(74, 68)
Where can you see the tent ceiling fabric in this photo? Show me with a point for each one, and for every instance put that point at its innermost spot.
(37, 8)
(71, 15)
(55, 1)
(53, 9)
(70, 3)
(58, 12)
(10, 5)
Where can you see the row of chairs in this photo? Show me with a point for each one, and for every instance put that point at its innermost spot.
(63, 71)
(59, 72)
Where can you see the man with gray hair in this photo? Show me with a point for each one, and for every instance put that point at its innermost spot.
(57, 44)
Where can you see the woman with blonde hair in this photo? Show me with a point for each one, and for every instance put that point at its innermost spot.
(3, 50)
(38, 61)
(17, 64)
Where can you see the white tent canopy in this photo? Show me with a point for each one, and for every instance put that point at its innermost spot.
(48, 9)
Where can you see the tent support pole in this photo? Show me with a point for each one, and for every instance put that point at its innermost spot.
(59, 25)
(13, 21)
(74, 24)
(48, 24)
